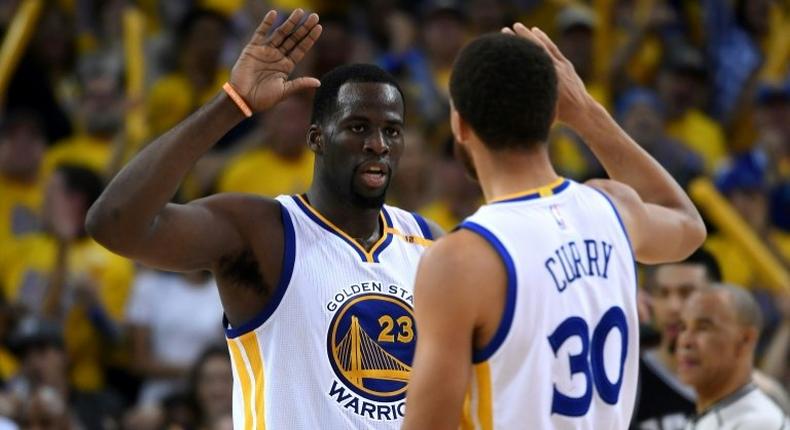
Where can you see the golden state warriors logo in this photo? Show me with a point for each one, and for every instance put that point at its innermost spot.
(371, 345)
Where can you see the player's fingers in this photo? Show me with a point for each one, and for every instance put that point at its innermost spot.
(300, 33)
(301, 48)
(522, 30)
(300, 84)
(285, 29)
(259, 37)
(548, 43)
(508, 30)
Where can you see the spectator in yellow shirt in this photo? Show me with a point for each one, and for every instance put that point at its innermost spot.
(280, 162)
(22, 144)
(65, 276)
(198, 73)
(681, 86)
(100, 120)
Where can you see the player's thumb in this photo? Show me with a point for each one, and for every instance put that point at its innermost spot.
(300, 84)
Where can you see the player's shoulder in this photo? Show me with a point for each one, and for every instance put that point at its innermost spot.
(462, 255)
(624, 198)
(615, 190)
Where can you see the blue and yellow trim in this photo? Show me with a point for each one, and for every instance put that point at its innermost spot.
(555, 187)
(481, 355)
(366, 256)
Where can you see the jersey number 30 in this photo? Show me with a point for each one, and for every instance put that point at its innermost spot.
(590, 361)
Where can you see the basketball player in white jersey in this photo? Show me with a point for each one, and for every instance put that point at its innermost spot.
(316, 288)
(527, 313)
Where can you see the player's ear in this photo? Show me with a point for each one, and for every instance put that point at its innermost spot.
(459, 126)
(749, 338)
(314, 139)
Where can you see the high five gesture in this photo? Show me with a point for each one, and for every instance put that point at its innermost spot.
(260, 75)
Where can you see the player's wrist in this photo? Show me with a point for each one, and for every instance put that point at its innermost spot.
(227, 108)
(589, 117)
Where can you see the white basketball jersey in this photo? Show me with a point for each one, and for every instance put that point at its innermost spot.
(565, 355)
(334, 347)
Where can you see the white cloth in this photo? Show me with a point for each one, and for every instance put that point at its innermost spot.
(183, 319)
(566, 354)
(746, 409)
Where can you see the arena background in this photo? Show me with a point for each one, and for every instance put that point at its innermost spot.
(99, 341)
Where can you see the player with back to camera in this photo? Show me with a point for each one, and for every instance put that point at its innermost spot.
(527, 312)
(316, 288)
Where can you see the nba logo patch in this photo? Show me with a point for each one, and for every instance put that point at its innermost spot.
(555, 211)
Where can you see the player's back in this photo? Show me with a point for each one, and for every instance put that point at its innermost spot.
(566, 352)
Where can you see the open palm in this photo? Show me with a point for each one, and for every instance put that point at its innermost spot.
(260, 75)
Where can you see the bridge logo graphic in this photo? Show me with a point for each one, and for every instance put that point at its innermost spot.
(371, 344)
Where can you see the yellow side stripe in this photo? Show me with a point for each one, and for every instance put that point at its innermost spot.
(544, 191)
(244, 379)
(250, 344)
(484, 401)
(368, 254)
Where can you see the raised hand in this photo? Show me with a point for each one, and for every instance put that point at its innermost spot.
(260, 75)
(573, 100)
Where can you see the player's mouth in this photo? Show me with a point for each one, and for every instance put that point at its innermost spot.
(373, 174)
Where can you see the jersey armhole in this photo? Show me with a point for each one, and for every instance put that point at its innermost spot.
(289, 257)
(481, 355)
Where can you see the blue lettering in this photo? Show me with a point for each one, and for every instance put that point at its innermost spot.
(607, 253)
(577, 260)
(560, 288)
(340, 391)
(594, 263)
(592, 256)
(369, 408)
(384, 412)
(563, 262)
(353, 404)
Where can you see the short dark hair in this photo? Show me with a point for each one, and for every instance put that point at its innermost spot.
(700, 257)
(505, 87)
(82, 180)
(326, 96)
(706, 259)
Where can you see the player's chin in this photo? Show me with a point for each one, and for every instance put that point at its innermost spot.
(370, 197)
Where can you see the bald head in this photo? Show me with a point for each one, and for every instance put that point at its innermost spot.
(741, 302)
(715, 350)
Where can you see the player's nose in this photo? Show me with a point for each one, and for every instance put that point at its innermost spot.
(376, 143)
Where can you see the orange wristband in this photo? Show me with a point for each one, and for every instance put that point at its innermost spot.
(245, 109)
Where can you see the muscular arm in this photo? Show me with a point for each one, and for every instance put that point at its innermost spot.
(133, 217)
(450, 306)
(661, 220)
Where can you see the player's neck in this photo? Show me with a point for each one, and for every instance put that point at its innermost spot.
(509, 172)
(713, 393)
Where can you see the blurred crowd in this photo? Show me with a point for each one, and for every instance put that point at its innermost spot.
(91, 340)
